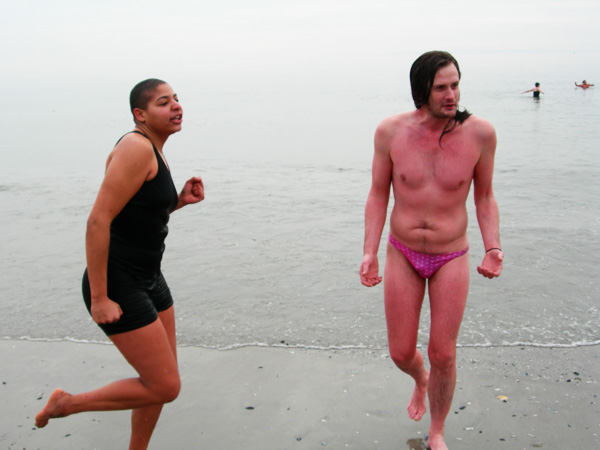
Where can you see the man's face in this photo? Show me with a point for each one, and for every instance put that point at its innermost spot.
(445, 94)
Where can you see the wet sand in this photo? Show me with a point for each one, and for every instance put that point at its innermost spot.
(285, 398)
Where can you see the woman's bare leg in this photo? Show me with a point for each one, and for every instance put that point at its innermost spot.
(149, 351)
(143, 420)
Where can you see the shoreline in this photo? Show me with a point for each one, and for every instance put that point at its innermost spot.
(294, 398)
(333, 348)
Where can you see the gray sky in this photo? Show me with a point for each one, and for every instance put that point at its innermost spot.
(112, 39)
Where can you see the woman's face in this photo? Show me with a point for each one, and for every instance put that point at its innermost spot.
(163, 114)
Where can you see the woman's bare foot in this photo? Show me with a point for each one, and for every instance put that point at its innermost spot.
(418, 402)
(53, 409)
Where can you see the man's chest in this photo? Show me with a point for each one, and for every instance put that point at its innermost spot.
(418, 163)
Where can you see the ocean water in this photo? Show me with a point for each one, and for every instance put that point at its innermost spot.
(271, 256)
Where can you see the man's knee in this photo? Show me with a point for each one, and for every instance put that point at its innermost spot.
(442, 359)
(403, 357)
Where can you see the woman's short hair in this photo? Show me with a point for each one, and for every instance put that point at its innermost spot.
(142, 93)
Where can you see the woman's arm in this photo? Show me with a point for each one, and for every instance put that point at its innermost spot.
(130, 163)
(192, 192)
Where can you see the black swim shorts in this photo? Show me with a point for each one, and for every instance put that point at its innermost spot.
(140, 298)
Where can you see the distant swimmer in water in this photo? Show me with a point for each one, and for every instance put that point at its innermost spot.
(584, 84)
(536, 91)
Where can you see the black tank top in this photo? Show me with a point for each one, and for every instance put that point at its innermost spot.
(138, 233)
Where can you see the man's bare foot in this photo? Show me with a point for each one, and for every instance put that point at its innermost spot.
(53, 409)
(418, 402)
(436, 442)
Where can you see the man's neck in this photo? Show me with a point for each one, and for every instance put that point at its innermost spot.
(430, 121)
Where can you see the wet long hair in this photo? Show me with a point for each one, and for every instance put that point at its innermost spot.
(422, 74)
(141, 94)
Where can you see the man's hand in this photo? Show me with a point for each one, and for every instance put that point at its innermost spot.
(369, 271)
(492, 264)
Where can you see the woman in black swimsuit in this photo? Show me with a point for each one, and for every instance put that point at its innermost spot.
(536, 91)
(123, 286)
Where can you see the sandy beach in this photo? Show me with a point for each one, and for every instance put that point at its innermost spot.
(285, 398)
(281, 104)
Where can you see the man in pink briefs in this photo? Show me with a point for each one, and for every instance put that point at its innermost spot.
(430, 157)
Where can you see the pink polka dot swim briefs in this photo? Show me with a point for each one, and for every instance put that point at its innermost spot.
(426, 264)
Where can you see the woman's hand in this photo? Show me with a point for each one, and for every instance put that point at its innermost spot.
(104, 310)
(192, 192)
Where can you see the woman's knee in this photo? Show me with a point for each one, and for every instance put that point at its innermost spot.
(169, 388)
(173, 389)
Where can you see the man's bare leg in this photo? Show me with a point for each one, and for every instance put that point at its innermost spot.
(448, 290)
(417, 407)
(404, 292)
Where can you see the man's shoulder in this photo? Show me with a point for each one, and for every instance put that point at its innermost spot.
(394, 124)
(479, 123)
(398, 119)
(481, 130)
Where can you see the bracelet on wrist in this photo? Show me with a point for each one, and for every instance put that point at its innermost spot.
(493, 248)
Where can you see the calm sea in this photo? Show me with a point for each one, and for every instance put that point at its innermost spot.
(271, 256)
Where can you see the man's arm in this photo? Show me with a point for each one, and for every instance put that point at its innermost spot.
(488, 215)
(376, 208)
